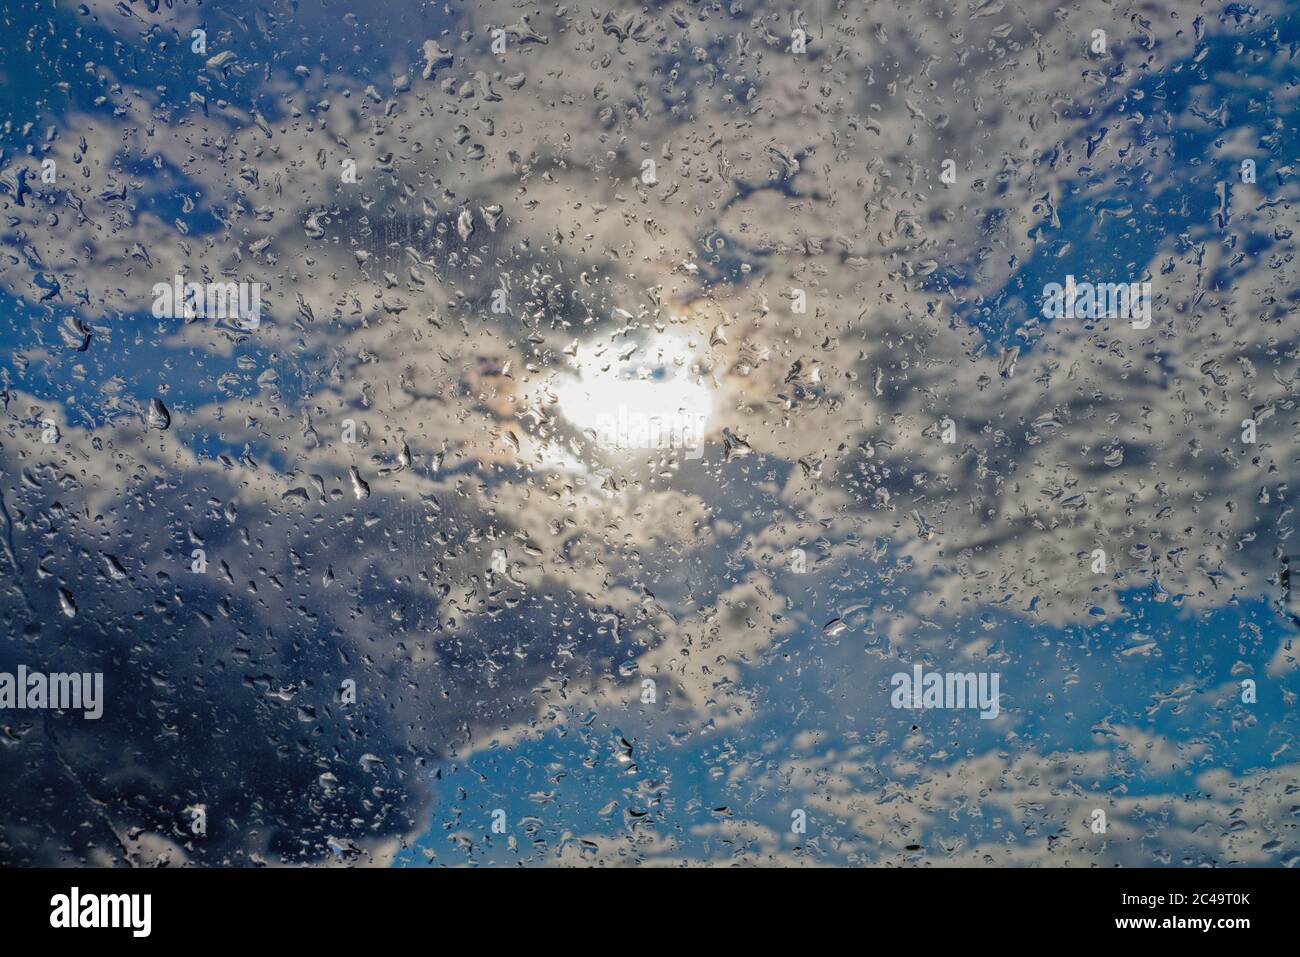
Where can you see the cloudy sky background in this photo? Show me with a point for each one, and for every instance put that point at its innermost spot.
(520, 690)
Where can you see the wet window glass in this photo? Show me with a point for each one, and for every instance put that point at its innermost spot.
(676, 433)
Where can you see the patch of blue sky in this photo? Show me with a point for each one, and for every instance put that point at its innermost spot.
(1110, 224)
(1067, 690)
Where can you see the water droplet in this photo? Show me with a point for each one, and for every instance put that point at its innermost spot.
(159, 417)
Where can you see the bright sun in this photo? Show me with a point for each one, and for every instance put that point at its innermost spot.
(637, 398)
